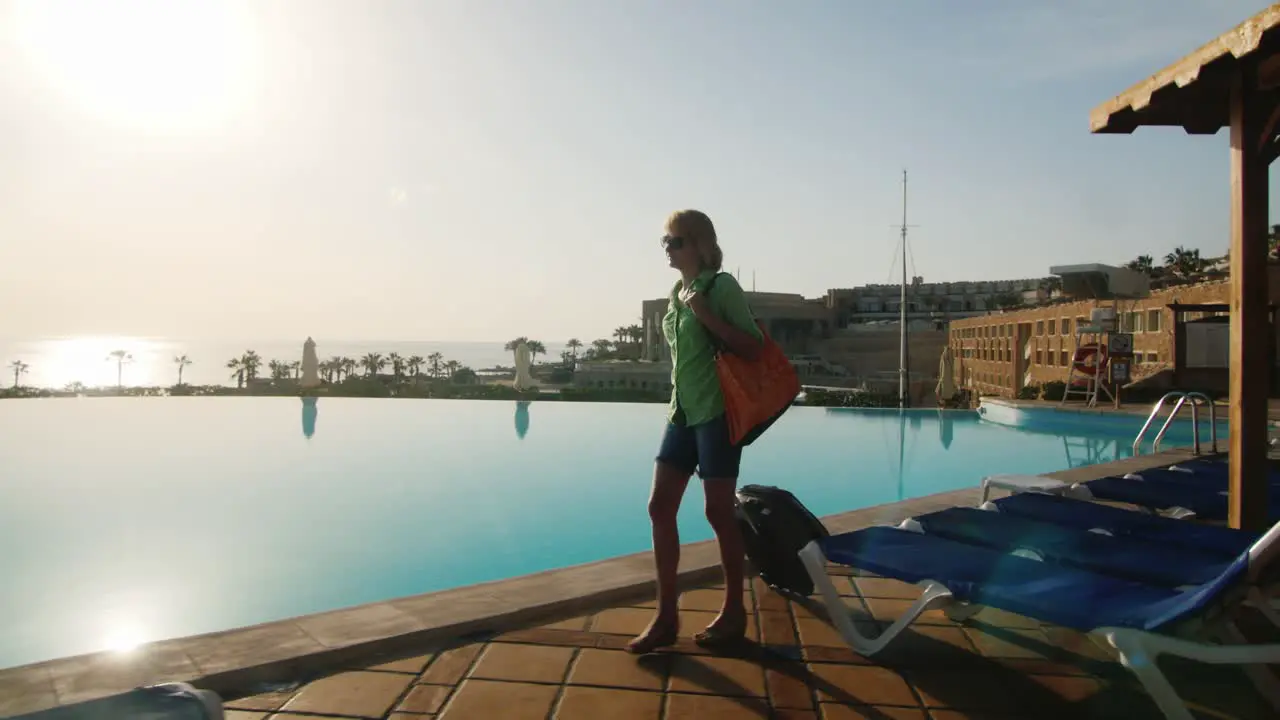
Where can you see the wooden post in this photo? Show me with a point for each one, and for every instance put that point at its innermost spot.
(1249, 374)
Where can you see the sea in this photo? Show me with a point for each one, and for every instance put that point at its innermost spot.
(59, 362)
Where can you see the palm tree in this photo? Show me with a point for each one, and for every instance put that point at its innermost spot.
(434, 360)
(574, 345)
(635, 333)
(601, 347)
(372, 363)
(349, 366)
(251, 362)
(451, 367)
(236, 366)
(536, 348)
(296, 367)
(415, 363)
(620, 334)
(1183, 262)
(279, 370)
(182, 361)
(121, 357)
(397, 365)
(19, 369)
(513, 344)
(1143, 264)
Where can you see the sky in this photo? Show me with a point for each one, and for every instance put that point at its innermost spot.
(476, 170)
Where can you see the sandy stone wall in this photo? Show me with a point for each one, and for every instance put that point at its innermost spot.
(999, 353)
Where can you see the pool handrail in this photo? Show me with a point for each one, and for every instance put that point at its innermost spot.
(1195, 423)
(1195, 420)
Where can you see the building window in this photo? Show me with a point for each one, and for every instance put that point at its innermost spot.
(1053, 326)
(1131, 322)
(1039, 327)
(1038, 356)
(1062, 354)
(1153, 357)
(1153, 321)
(1066, 326)
(1081, 322)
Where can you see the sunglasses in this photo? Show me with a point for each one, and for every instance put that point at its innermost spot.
(672, 242)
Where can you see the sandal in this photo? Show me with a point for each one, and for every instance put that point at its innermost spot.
(654, 639)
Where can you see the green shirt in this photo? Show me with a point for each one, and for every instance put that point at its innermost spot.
(695, 386)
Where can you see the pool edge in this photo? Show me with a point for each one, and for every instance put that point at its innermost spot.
(233, 662)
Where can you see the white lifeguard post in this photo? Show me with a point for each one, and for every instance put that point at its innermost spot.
(1102, 352)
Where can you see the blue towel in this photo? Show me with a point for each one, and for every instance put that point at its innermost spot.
(1132, 558)
(1227, 542)
(1046, 592)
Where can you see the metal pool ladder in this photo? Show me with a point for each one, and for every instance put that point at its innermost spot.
(1195, 420)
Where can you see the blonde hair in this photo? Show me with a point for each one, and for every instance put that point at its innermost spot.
(695, 227)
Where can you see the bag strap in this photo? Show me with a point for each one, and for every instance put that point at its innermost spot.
(720, 345)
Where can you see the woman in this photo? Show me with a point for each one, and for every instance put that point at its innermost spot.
(706, 310)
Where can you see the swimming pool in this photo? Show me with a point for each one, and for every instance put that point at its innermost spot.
(127, 520)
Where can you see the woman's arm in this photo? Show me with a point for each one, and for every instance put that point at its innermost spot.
(740, 342)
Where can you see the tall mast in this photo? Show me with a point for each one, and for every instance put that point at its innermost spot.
(903, 355)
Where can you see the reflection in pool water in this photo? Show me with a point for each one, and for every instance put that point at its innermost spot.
(309, 414)
(522, 418)
(161, 517)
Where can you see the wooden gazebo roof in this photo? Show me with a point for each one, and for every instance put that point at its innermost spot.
(1194, 92)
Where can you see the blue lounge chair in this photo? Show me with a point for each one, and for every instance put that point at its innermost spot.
(1174, 499)
(1115, 521)
(1199, 475)
(1141, 621)
(1154, 563)
(1217, 465)
(167, 701)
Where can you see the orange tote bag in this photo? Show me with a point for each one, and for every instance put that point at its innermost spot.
(756, 392)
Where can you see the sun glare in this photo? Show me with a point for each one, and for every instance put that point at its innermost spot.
(86, 360)
(123, 639)
(155, 64)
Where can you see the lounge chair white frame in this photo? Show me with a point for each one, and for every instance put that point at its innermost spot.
(1139, 650)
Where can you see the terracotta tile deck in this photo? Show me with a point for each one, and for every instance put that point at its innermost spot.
(794, 666)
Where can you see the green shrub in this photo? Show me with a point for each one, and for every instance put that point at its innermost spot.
(1053, 391)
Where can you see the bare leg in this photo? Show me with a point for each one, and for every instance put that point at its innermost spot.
(669, 484)
(730, 624)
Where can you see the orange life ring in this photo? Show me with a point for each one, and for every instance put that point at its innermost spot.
(1084, 353)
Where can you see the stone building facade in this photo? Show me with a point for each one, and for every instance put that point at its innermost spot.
(1002, 352)
(945, 299)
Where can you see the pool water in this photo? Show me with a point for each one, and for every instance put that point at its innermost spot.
(127, 520)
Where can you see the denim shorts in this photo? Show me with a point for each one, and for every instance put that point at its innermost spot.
(704, 447)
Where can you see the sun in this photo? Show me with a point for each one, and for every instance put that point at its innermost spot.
(86, 360)
(123, 639)
(154, 64)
